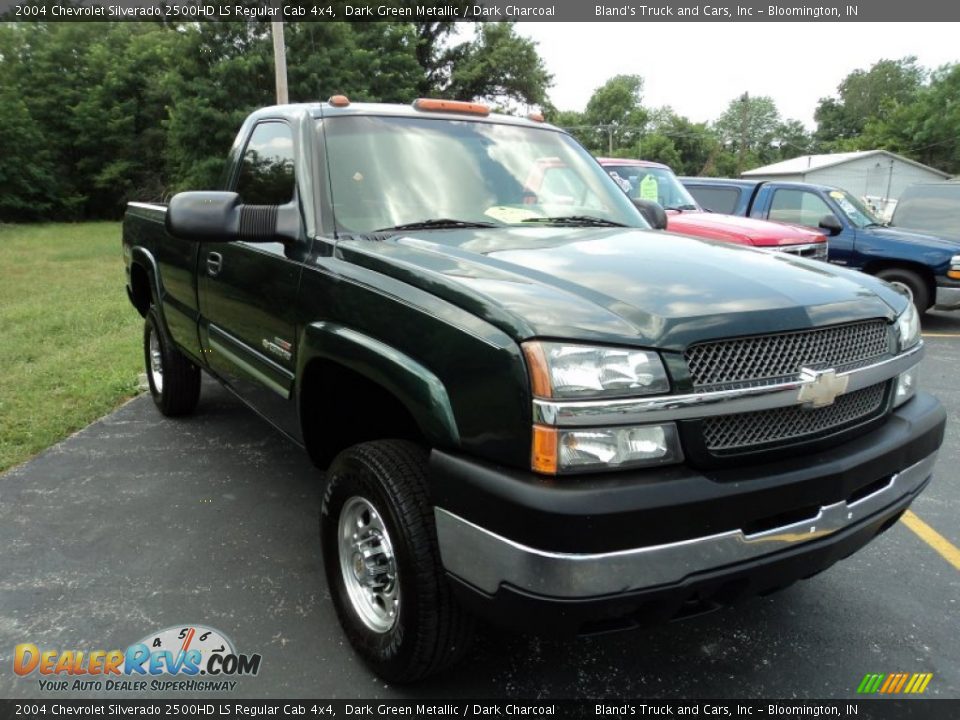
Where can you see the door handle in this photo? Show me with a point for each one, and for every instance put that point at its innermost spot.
(214, 263)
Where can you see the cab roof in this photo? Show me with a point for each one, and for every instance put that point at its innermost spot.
(631, 162)
(325, 109)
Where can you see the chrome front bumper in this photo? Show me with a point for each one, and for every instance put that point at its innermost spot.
(486, 560)
(948, 298)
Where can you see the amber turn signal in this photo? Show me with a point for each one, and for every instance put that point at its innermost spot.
(456, 106)
(537, 367)
(543, 456)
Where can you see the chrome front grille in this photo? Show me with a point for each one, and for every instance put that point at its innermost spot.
(767, 358)
(816, 251)
(736, 433)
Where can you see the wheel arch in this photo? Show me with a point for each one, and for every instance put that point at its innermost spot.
(145, 282)
(353, 388)
(926, 274)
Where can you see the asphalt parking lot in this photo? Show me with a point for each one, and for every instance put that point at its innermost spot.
(138, 523)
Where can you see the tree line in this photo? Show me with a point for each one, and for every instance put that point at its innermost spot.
(893, 105)
(93, 115)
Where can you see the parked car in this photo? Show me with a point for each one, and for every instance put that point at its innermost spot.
(644, 180)
(925, 265)
(932, 208)
(530, 407)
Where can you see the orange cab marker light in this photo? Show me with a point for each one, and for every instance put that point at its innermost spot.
(536, 117)
(543, 456)
(457, 106)
(339, 100)
(955, 274)
(537, 365)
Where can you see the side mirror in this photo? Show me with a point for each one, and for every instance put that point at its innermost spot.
(213, 216)
(652, 212)
(831, 224)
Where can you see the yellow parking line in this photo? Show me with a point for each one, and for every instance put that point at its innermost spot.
(931, 537)
(950, 335)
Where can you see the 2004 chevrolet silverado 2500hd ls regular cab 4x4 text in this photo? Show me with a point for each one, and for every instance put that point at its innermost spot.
(530, 407)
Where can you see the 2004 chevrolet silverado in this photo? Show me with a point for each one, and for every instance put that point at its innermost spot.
(530, 406)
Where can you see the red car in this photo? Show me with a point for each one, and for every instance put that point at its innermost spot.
(645, 180)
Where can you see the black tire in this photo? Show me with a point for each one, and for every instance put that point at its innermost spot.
(430, 631)
(910, 280)
(175, 383)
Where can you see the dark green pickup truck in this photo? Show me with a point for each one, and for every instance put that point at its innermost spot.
(531, 407)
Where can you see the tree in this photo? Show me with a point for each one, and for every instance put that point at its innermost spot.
(615, 113)
(694, 142)
(500, 65)
(927, 129)
(96, 114)
(792, 140)
(749, 126)
(864, 96)
(28, 185)
(382, 65)
(497, 65)
(662, 149)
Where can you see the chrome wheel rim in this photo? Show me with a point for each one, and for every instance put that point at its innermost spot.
(368, 565)
(156, 361)
(903, 288)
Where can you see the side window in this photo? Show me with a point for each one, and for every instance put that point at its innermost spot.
(719, 200)
(266, 169)
(798, 207)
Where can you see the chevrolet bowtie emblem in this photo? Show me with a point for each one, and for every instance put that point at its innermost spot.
(821, 387)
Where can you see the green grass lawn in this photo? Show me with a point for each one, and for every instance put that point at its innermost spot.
(70, 342)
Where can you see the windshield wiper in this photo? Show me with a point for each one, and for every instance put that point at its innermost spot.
(575, 220)
(681, 208)
(438, 224)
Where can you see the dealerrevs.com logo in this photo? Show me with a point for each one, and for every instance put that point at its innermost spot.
(187, 658)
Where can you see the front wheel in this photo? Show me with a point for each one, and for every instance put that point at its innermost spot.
(174, 380)
(383, 563)
(911, 282)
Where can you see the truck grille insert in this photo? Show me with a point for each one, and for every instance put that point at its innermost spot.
(817, 251)
(768, 358)
(735, 433)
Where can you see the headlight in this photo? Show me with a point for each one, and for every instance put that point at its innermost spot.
(559, 370)
(560, 451)
(908, 327)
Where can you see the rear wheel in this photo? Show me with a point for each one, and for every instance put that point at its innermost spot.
(911, 282)
(174, 380)
(383, 563)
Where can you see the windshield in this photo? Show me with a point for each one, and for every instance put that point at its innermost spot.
(652, 183)
(392, 171)
(856, 212)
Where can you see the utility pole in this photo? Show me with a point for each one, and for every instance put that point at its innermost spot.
(280, 61)
(744, 113)
(610, 140)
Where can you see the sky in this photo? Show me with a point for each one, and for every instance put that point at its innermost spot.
(698, 68)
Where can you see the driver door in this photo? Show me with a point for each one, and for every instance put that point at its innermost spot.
(248, 289)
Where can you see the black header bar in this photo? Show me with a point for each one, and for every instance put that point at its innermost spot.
(517, 10)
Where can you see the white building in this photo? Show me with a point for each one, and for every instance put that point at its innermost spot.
(878, 176)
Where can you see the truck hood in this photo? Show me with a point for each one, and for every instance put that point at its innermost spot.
(745, 231)
(623, 285)
(917, 237)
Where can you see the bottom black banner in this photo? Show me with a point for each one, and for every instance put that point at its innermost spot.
(921, 709)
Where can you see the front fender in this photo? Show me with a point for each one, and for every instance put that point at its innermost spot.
(419, 389)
